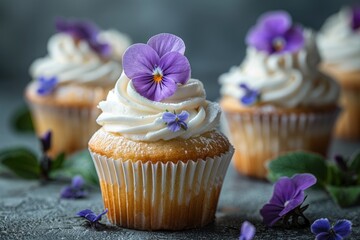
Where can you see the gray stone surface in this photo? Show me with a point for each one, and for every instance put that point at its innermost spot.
(29, 210)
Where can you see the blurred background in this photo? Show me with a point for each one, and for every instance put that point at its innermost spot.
(213, 31)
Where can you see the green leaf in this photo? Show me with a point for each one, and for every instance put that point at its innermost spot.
(21, 120)
(57, 163)
(298, 162)
(21, 161)
(355, 162)
(79, 163)
(345, 196)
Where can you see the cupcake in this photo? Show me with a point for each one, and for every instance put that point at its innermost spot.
(277, 100)
(339, 44)
(82, 65)
(160, 161)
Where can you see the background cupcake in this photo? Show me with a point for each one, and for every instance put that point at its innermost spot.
(277, 100)
(339, 44)
(160, 161)
(82, 65)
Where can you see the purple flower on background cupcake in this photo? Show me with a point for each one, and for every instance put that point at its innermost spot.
(46, 85)
(174, 121)
(274, 33)
(287, 199)
(355, 18)
(84, 30)
(158, 67)
(324, 231)
(251, 96)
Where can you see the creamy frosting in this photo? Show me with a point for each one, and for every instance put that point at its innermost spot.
(284, 80)
(339, 44)
(126, 112)
(74, 61)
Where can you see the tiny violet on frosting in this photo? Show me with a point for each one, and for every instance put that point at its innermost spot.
(274, 33)
(84, 30)
(250, 96)
(355, 18)
(174, 121)
(247, 231)
(286, 201)
(46, 85)
(156, 68)
(324, 231)
(75, 190)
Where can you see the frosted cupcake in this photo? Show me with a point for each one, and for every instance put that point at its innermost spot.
(277, 100)
(160, 160)
(82, 65)
(339, 44)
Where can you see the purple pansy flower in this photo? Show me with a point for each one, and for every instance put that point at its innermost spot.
(86, 31)
(75, 190)
(175, 121)
(251, 96)
(323, 231)
(247, 231)
(156, 68)
(275, 33)
(46, 85)
(355, 18)
(288, 196)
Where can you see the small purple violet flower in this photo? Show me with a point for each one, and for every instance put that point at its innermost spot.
(355, 18)
(287, 199)
(247, 231)
(45, 160)
(84, 30)
(251, 96)
(274, 33)
(75, 190)
(156, 68)
(92, 218)
(175, 121)
(46, 85)
(323, 231)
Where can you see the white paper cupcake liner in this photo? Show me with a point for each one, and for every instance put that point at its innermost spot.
(156, 196)
(71, 127)
(258, 137)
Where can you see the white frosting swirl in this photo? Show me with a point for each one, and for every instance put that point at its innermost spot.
(339, 44)
(284, 80)
(126, 112)
(74, 61)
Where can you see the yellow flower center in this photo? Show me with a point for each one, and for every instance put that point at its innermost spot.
(157, 75)
(278, 44)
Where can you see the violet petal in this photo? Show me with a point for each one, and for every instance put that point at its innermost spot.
(259, 38)
(165, 42)
(98, 217)
(320, 225)
(46, 141)
(247, 231)
(183, 116)
(173, 126)
(355, 18)
(278, 22)
(293, 203)
(87, 214)
(168, 117)
(270, 213)
(176, 67)
(294, 39)
(139, 60)
(342, 228)
(304, 181)
(284, 190)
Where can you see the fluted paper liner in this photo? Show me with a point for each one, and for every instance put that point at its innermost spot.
(72, 127)
(154, 196)
(259, 137)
